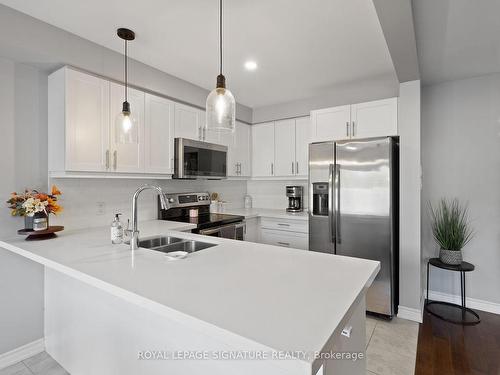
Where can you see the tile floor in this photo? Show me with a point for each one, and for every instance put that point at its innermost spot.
(391, 350)
(391, 346)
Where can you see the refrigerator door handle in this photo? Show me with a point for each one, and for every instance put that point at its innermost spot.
(337, 204)
(331, 209)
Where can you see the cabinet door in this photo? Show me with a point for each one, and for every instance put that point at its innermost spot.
(375, 119)
(188, 122)
(87, 122)
(263, 150)
(242, 148)
(302, 139)
(159, 135)
(238, 154)
(284, 152)
(284, 239)
(331, 123)
(127, 157)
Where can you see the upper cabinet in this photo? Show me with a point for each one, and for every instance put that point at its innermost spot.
(364, 120)
(263, 150)
(127, 157)
(188, 122)
(238, 154)
(159, 135)
(79, 111)
(83, 134)
(374, 119)
(280, 148)
(331, 123)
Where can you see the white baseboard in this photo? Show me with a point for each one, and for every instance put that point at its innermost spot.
(21, 353)
(409, 313)
(473, 303)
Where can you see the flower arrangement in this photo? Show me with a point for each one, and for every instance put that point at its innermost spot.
(32, 202)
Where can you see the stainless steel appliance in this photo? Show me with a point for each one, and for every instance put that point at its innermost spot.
(199, 160)
(209, 224)
(353, 210)
(294, 194)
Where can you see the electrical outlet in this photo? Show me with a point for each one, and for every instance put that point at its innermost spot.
(100, 208)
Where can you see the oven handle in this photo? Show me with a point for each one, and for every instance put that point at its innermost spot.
(210, 231)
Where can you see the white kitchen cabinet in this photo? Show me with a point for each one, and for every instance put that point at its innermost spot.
(375, 119)
(331, 123)
(238, 155)
(302, 140)
(78, 138)
(284, 147)
(263, 149)
(284, 238)
(127, 157)
(159, 135)
(188, 122)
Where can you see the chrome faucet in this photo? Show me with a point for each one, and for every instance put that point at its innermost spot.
(134, 232)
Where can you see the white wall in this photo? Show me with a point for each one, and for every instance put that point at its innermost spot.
(23, 162)
(409, 211)
(382, 87)
(461, 158)
(26, 39)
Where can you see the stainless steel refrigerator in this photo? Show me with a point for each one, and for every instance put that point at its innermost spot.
(353, 208)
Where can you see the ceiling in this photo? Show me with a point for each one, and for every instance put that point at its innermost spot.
(303, 48)
(457, 38)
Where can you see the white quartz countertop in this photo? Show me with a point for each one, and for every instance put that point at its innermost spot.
(267, 212)
(277, 298)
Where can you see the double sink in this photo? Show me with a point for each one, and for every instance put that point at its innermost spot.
(168, 244)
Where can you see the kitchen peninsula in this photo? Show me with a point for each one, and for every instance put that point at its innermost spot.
(213, 312)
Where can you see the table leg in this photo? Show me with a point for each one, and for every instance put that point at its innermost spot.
(427, 299)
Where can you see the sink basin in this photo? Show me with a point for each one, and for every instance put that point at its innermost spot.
(189, 246)
(154, 243)
(169, 244)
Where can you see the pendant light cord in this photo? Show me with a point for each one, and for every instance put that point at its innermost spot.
(126, 72)
(220, 34)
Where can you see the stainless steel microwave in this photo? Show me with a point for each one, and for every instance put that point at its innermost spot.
(199, 160)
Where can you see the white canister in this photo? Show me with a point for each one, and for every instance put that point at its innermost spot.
(193, 212)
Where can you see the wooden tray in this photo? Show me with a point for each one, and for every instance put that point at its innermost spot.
(31, 234)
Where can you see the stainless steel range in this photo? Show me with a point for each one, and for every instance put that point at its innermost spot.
(209, 224)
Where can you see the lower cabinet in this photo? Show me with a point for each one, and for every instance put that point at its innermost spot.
(285, 239)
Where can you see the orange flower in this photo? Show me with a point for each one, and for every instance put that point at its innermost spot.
(55, 190)
(42, 197)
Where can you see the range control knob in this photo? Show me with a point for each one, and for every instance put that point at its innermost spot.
(170, 200)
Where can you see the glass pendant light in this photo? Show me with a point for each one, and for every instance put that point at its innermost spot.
(221, 106)
(125, 122)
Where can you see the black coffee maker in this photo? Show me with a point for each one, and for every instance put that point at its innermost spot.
(294, 194)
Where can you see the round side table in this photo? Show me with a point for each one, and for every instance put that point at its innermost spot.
(451, 312)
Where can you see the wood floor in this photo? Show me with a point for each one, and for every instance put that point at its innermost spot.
(450, 349)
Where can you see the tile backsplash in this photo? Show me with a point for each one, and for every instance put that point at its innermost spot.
(93, 202)
(272, 194)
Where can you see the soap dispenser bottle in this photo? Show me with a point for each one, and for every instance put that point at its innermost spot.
(116, 230)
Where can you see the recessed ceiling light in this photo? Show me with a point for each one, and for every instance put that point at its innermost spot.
(250, 65)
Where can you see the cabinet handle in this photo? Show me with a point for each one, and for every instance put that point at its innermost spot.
(353, 129)
(297, 169)
(283, 243)
(239, 169)
(272, 169)
(292, 168)
(283, 225)
(107, 159)
(115, 159)
(347, 129)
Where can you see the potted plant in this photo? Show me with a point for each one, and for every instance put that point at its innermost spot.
(451, 229)
(35, 207)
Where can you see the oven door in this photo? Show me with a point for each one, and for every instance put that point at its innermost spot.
(226, 231)
(199, 160)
